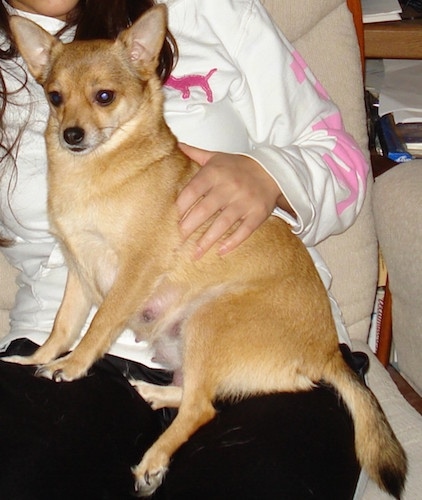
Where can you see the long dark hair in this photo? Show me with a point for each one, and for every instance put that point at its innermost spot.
(93, 19)
(102, 19)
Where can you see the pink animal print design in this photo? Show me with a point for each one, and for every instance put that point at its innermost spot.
(185, 83)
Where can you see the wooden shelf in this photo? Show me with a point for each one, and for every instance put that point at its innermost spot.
(394, 40)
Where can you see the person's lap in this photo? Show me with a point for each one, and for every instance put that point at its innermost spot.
(79, 440)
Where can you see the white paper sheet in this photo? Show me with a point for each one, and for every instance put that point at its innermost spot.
(401, 90)
(380, 10)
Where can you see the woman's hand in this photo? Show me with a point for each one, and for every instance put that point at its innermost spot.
(236, 188)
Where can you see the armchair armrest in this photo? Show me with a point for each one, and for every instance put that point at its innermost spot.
(397, 207)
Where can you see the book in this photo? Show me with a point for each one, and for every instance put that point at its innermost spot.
(392, 145)
(411, 135)
(374, 11)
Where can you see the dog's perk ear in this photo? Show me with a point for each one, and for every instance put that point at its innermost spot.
(144, 40)
(34, 44)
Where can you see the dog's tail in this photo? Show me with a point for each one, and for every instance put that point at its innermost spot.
(377, 448)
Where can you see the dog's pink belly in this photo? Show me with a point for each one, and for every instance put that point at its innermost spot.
(167, 348)
(159, 322)
(161, 319)
(165, 339)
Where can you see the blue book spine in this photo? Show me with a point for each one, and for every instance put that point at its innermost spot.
(392, 145)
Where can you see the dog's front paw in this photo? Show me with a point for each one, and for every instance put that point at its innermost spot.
(62, 370)
(21, 360)
(149, 474)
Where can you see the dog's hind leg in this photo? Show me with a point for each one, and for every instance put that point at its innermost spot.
(196, 409)
(159, 396)
(193, 413)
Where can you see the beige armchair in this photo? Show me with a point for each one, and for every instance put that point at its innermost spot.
(324, 33)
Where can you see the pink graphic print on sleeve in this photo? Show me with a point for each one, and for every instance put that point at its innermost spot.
(299, 68)
(185, 83)
(347, 151)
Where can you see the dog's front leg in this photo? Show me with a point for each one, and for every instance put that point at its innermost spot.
(119, 305)
(104, 329)
(69, 320)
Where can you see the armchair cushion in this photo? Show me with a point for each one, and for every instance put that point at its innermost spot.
(406, 422)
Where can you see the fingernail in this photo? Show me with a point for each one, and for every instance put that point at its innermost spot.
(199, 252)
(223, 250)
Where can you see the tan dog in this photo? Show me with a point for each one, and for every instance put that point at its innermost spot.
(255, 321)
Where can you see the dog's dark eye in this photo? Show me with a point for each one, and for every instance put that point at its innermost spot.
(105, 97)
(55, 98)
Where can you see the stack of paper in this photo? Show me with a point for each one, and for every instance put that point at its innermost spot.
(400, 90)
(375, 11)
(400, 109)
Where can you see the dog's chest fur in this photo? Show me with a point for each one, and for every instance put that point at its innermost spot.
(88, 250)
(90, 224)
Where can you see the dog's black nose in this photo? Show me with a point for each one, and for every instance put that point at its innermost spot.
(74, 135)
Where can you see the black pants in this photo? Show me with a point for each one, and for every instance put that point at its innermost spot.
(78, 440)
